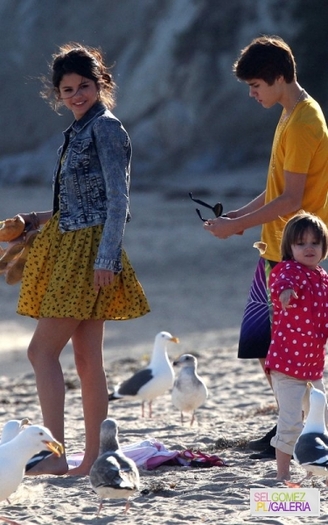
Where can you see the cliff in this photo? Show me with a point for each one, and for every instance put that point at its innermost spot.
(172, 61)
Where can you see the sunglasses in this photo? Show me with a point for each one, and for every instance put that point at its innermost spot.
(217, 209)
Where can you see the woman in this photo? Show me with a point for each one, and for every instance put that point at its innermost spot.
(77, 274)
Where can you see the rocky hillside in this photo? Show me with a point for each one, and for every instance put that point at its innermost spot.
(172, 60)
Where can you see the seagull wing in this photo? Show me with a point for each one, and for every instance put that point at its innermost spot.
(112, 471)
(131, 386)
(310, 449)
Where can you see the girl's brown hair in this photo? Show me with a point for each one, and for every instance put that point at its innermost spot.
(295, 229)
(82, 60)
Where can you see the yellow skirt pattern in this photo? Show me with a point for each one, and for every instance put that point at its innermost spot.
(58, 279)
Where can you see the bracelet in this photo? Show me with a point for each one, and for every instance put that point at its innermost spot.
(34, 219)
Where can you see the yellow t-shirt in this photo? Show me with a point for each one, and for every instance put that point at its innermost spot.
(300, 145)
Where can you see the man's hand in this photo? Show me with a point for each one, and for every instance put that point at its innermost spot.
(222, 227)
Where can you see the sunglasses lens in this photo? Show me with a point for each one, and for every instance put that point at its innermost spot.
(218, 209)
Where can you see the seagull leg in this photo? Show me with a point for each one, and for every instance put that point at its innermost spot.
(100, 507)
(150, 409)
(181, 417)
(143, 409)
(127, 506)
(192, 418)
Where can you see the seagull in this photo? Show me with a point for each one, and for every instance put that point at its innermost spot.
(189, 390)
(113, 475)
(12, 428)
(15, 453)
(152, 381)
(311, 447)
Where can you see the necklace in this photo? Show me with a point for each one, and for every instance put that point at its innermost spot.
(283, 121)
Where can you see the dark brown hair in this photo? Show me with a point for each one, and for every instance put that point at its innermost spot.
(295, 229)
(266, 58)
(82, 60)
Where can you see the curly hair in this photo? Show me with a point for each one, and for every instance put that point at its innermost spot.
(82, 60)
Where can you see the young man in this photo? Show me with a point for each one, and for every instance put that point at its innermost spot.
(297, 179)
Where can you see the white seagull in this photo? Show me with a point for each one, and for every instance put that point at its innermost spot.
(17, 451)
(311, 447)
(12, 428)
(113, 475)
(189, 390)
(152, 381)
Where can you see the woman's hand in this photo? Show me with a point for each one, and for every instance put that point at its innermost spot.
(103, 278)
(31, 220)
(34, 220)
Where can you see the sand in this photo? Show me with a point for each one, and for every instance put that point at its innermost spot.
(197, 286)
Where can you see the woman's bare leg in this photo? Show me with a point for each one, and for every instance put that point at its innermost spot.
(88, 351)
(48, 341)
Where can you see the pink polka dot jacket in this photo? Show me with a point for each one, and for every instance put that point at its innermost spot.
(300, 332)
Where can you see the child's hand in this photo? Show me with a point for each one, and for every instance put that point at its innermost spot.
(285, 296)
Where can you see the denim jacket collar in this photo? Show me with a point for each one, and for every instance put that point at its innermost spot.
(97, 109)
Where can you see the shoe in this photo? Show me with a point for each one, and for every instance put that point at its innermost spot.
(262, 443)
(268, 453)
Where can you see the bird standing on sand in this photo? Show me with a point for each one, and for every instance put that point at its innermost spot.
(189, 390)
(152, 381)
(311, 447)
(15, 453)
(113, 475)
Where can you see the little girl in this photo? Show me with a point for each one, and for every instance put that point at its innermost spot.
(77, 274)
(299, 292)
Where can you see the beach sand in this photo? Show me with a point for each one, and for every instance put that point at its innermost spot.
(197, 287)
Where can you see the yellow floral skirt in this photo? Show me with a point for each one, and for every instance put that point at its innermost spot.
(58, 279)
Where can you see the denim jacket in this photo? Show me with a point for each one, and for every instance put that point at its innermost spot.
(92, 175)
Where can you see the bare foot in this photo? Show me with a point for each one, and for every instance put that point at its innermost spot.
(49, 465)
(283, 478)
(81, 470)
(292, 485)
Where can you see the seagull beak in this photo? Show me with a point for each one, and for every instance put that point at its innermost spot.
(174, 340)
(309, 385)
(55, 447)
